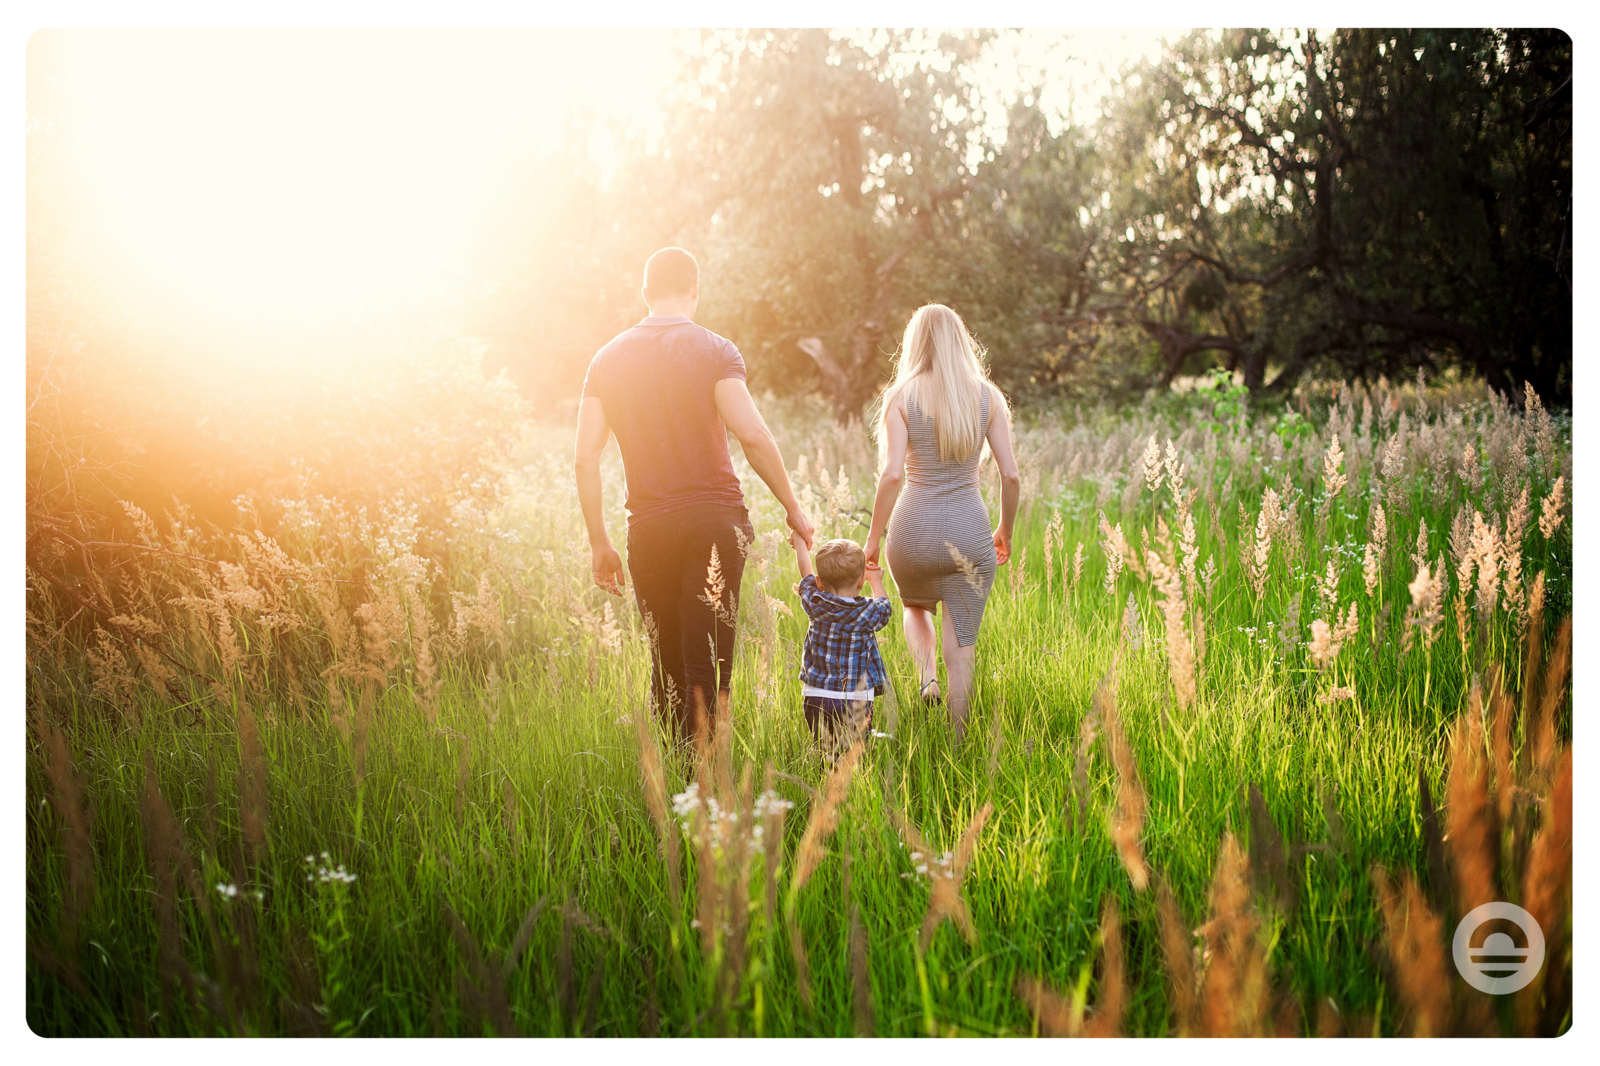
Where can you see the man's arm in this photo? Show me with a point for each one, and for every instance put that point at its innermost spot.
(739, 414)
(593, 432)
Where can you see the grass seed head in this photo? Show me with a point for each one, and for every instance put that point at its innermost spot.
(1234, 999)
(1152, 464)
(1426, 610)
(1550, 509)
(824, 818)
(1333, 477)
(1178, 958)
(945, 874)
(1064, 1016)
(1126, 818)
(1547, 895)
(1115, 547)
(1413, 940)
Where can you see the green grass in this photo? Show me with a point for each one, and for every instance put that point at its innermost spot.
(430, 827)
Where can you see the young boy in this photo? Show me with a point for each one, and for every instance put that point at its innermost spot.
(841, 669)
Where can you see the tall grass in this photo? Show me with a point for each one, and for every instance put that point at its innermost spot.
(312, 776)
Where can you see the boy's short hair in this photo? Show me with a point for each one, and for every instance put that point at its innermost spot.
(840, 563)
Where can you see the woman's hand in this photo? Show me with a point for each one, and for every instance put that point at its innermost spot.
(872, 548)
(1002, 546)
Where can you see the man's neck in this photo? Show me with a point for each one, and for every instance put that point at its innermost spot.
(671, 309)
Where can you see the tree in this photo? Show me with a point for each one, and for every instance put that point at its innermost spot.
(1275, 203)
(1378, 201)
(828, 166)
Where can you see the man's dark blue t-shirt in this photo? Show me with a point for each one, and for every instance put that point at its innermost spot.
(657, 383)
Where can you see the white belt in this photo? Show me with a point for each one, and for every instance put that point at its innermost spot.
(864, 696)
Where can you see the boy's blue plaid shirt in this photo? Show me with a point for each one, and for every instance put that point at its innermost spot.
(841, 651)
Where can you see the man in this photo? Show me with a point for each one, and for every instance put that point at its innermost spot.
(667, 388)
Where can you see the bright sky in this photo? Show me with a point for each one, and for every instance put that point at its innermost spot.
(304, 177)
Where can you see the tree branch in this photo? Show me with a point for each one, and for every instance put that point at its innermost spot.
(1178, 346)
(835, 382)
(1546, 108)
(1468, 339)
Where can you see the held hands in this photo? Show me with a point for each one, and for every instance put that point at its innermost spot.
(875, 579)
(607, 567)
(1002, 546)
(802, 527)
(872, 549)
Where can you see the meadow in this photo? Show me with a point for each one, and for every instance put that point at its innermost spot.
(1266, 700)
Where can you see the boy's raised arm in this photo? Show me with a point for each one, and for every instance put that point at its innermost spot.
(875, 581)
(802, 556)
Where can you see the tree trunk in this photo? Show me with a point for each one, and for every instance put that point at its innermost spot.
(852, 385)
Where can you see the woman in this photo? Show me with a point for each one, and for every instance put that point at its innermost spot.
(933, 421)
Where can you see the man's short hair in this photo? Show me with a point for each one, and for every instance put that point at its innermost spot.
(670, 272)
(840, 563)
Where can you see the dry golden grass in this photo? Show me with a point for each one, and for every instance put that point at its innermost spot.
(1512, 833)
(1414, 940)
(1126, 819)
(1167, 581)
(860, 962)
(1078, 801)
(945, 873)
(655, 795)
(824, 818)
(1233, 998)
(1061, 1016)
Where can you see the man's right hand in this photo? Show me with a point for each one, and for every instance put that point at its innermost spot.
(607, 567)
(801, 524)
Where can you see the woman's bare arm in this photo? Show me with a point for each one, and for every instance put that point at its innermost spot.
(890, 481)
(1010, 481)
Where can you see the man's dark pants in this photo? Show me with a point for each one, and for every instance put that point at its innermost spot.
(669, 556)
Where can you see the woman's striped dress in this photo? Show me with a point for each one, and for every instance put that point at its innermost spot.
(940, 547)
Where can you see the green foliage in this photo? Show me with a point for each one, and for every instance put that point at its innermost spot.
(1291, 426)
(1231, 401)
(1365, 203)
(1276, 204)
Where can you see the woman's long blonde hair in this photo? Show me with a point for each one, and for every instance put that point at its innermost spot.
(941, 367)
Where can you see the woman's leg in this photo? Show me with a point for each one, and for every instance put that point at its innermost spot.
(958, 662)
(924, 645)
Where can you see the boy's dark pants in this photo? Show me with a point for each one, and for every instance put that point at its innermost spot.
(693, 641)
(837, 723)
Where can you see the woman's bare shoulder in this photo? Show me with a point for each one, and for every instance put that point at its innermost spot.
(997, 400)
(895, 403)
